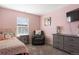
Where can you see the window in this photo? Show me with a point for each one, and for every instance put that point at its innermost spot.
(22, 26)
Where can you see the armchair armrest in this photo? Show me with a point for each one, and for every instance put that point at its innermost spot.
(43, 37)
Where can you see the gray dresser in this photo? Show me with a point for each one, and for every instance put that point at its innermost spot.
(66, 43)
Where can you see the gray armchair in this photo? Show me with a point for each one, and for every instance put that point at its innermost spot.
(38, 39)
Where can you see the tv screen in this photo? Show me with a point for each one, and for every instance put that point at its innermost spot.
(73, 15)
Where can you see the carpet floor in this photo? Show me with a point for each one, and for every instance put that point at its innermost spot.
(44, 50)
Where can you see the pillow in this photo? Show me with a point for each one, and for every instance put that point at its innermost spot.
(7, 36)
(38, 32)
(2, 37)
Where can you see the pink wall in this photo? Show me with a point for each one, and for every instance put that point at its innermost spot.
(59, 19)
(8, 19)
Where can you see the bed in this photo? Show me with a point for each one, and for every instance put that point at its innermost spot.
(13, 46)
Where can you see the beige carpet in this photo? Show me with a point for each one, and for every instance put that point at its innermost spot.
(44, 50)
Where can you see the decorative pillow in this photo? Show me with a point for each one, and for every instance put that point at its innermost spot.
(7, 36)
(2, 37)
(38, 32)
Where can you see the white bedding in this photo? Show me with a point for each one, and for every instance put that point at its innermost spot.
(12, 46)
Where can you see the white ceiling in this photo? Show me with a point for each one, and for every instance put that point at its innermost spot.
(38, 9)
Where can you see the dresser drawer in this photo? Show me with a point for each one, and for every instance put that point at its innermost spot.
(76, 40)
(69, 39)
(68, 49)
(71, 48)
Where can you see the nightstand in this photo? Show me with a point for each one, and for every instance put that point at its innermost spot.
(24, 39)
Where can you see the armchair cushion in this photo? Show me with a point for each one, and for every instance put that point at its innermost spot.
(38, 32)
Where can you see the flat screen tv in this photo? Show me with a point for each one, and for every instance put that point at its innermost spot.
(73, 16)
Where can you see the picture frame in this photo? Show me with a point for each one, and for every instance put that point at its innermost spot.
(47, 21)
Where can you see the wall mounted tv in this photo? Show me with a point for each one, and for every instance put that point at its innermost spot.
(73, 15)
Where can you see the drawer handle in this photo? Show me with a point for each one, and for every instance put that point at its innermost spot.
(71, 51)
(57, 42)
(71, 45)
(71, 39)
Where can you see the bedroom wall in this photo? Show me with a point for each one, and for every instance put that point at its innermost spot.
(8, 20)
(58, 18)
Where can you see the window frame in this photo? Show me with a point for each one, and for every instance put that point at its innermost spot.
(22, 25)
